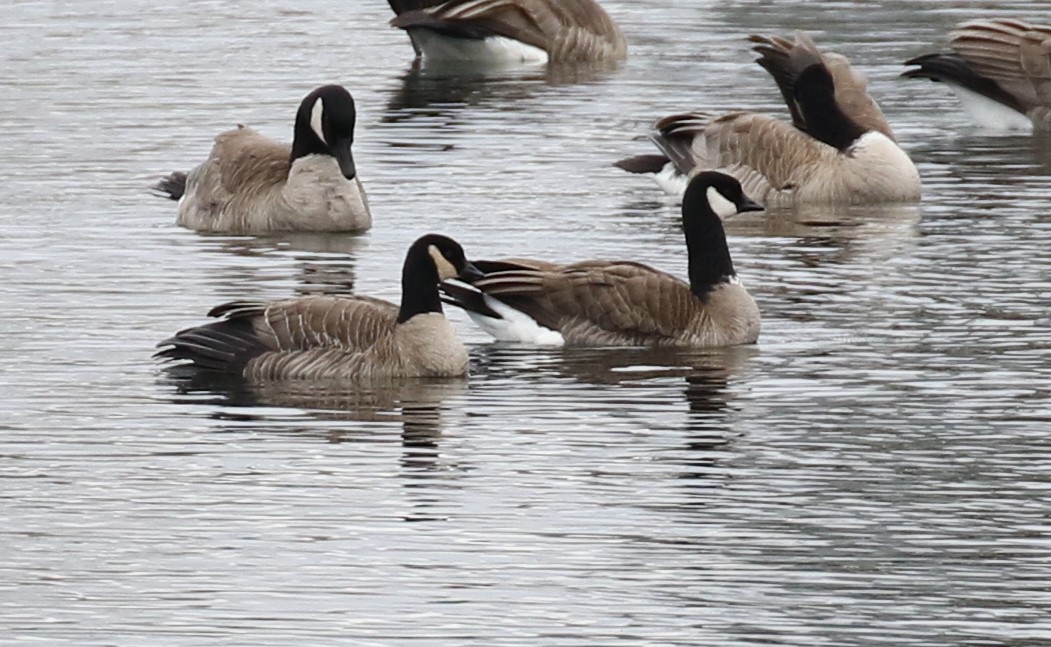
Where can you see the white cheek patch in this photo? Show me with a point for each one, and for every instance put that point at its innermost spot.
(316, 115)
(446, 270)
(720, 205)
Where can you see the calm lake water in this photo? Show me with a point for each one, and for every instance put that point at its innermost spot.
(876, 471)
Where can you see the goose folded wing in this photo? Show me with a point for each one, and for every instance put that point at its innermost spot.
(529, 22)
(614, 297)
(248, 162)
(347, 323)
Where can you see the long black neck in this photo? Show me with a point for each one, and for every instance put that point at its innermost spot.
(709, 255)
(815, 96)
(419, 285)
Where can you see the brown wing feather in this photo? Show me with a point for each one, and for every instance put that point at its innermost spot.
(599, 301)
(249, 162)
(762, 152)
(346, 323)
(1015, 54)
(565, 29)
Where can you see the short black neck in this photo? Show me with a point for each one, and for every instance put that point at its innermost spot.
(815, 96)
(304, 140)
(709, 255)
(419, 285)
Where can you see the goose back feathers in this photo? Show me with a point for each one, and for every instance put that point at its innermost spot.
(250, 184)
(837, 149)
(349, 338)
(510, 30)
(1000, 69)
(622, 303)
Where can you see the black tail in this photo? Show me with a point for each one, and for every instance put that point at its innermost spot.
(172, 187)
(223, 346)
(642, 163)
(468, 297)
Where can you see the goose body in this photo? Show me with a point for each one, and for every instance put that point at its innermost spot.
(838, 148)
(1000, 69)
(251, 184)
(622, 303)
(332, 337)
(510, 30)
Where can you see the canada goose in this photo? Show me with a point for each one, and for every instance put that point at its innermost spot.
(353, 338)
(510, 30)
(251, 184)
(620, 303)
(838, 148)
(1000, 69)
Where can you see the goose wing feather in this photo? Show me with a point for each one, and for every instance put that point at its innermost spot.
(308, 323)
(1015, 54)
(612, 302)
(760, 151)
(565, 29)
(785, 60)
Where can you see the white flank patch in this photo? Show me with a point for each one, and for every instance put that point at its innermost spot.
(495, 49)
(515, 326)
(990, 114)
(670, 180)
(720, 205)
(316, 115)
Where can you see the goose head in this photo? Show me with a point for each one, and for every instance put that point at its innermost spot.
(430, 260)
(325, 126)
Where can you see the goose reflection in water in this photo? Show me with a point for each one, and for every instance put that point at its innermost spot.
(320, 263)
(416, 405)
(442, 91)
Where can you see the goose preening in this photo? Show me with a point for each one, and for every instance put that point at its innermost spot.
(251, 184)
(838, 148)
(1000, 69)
(347, 338)
(621, 303)
(510, 30)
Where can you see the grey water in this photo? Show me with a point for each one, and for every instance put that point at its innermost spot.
(876, 471)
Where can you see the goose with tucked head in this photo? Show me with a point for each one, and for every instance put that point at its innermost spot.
(506, 31)
(1000, 69)
(251, 184)
(838, 148)
(622, 303)
(336, 337)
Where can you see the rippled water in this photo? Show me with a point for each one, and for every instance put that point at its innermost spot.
(875, 471)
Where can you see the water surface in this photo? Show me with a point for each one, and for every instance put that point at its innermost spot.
(873, 472)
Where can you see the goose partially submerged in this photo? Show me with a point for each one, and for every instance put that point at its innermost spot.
(332, 337)
(251, 184)
(838, 148)
(1000, 69)
(510, 30)
(622, 303)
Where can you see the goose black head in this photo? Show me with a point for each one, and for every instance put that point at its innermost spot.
(430, 260)
(325, 126)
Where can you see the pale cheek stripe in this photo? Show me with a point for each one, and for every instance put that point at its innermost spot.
(316, 115)
(720, 205)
